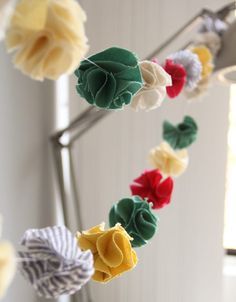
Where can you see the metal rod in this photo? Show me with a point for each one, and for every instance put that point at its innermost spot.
(57, 155)
(92, 123)
(179, 32)
(224, 11)
(77, 212)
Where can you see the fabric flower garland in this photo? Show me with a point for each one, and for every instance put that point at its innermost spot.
(171, 157)
(56, 263)
(136, 216)
(48, 37)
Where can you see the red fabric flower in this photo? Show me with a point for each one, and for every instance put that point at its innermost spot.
(178, 75)
(151, 185)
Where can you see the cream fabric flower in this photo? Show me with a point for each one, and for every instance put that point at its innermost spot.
(169, 161)
(48, 37)
(7, 264)
(152, 94)
(6, 8)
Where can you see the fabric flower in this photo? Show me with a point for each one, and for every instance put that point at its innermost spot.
(181, 135)
(53, 263)
(7, 266)
(112, 250)
(6, 8)
(178, 76)
(48, 37)
(205, 57)
(136, 217)
(191, 64)
(109, 79)
(213, 24)
(169, 161)
(211, 40)
(151, 186)
(153, 92)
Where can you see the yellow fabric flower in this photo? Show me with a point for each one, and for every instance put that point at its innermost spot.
(113, 254)
(169, 161)
(48, 37)
(206, 58)
(7, 266)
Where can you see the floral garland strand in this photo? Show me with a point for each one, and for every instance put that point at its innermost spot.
(55, 262)
(48, 39)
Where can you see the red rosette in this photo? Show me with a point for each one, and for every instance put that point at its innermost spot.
(152, 186)
(178, 75)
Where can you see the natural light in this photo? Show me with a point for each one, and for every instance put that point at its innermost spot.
(230, 197)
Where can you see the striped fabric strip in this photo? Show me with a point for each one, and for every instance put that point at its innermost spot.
(53, 263)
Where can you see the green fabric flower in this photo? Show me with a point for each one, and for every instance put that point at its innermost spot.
(109, 79)
(136, 217)
(182, 135)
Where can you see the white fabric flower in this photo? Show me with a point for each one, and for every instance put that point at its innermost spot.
(152, 94)
(6, 8)
(191, 64)
(169, 161)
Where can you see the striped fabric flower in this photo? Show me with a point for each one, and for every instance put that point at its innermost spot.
(53, 263)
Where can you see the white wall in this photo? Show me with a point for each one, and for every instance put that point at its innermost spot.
(26, 119)
(184, 262)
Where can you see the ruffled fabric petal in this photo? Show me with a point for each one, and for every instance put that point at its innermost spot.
(169, 161)
(48, 37)
(152, 94)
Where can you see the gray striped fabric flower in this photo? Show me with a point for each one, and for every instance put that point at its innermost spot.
(191, 64)
(53, 263)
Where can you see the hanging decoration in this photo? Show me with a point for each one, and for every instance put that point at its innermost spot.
(57, 263)
(53, 263)
(109, 79)
(47, 37)
(169, 161)
(112, 250)
(178, 76)
(181, 135)
(153, 92)
(151, 185)
(137, 218)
